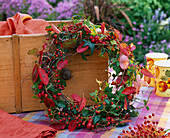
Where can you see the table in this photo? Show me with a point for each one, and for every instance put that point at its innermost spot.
(158, 105)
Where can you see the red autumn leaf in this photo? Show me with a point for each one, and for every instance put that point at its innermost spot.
(124, 49)
(119, 79)
(58, 126)
(41, 54)
(127, 116)
(129, 90)
(86, 28)
(35, 73)
(55, 29)
(120, 37)
(62, 64)
(43, 76)
(81, 49)
(76, 97)
(72, 126)
(49, 102)
(125, 121)
(82, 104)
(147, 73)
(103, 27)
(125, 104)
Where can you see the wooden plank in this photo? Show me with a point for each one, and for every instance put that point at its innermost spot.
(84, 75)
(26, 43)
(57, 22)
(7, 93)
(17, 77)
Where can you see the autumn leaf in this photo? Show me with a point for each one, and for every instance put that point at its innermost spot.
(58, 126)
(119, 80)
(35, 73)
(41, 54)
(147, 73)
(124, 62)
(103, 27)
(55, 29)
(125, 121)
(129, 90)
(125, 104)
(86, 28)
(43, 76)
(62, 64)
(81, 49)
(82, 104)
(33, 51)
(124, 49)
(72, 125)
(71, 43)
(49, 102)
(76, 98)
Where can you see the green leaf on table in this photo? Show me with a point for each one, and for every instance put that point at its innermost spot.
(145, 102)
(96, 119)
(91, 45)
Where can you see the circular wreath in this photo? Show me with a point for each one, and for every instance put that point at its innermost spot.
(111, 107)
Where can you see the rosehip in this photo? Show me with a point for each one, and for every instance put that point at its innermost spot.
(46, 95)
(96, 37)
(40, 86)
(93, 40)
(89, 125)
(39, 95)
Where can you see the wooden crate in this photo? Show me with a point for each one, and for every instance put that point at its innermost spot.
(16, 68)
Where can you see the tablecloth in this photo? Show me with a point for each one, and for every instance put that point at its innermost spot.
(158, 105)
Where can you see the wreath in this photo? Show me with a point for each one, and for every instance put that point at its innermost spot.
(111, 107)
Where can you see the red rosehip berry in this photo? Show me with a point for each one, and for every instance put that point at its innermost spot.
(47, 38)
(112, 103)
(79, 125)
(40, 86)
(59, 113)
(108, 118)
(153, 114)
(104, 103)
(96, 37)
(103, 42)
(51, 120)
(46, 115)
(55, 97)
(95, 107)
(100, 41)
(80, 23)
(105, 95)
(93, 40)
(39, 95)
(59, 94)
(145, 117)
(46, 95)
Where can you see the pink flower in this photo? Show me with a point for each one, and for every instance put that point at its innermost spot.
(124, 62)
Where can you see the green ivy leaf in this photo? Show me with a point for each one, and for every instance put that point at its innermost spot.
(61, 104)
(134, 113)
(63, 82)
(91, 45)
(96, 119)
(83, 57)
(85, 112)
(35, 97)
(114, 113)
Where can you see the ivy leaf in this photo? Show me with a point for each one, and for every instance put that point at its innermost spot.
(43, 76)
(129, 90)
(85, 112)
(35, 73)
(91, 45)
(61, 104)
(71, 43)
(76, 97)
(63, 82)
(72, 126)
(35, 97)
(83, 57)
(96, 119)
(58, 126)
(134, 113)
(48, 102)
(124, 49)
(114, 113)
(82, 104)
(147, 73)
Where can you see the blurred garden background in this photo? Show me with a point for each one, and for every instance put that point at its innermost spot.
(146, 23)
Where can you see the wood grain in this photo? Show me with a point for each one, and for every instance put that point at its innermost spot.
(17, 77)
(7, 91)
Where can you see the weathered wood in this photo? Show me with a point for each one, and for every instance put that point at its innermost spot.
(7, 92)
(26, 43)
(17, 77)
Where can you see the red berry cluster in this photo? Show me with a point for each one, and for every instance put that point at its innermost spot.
(148, 129)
